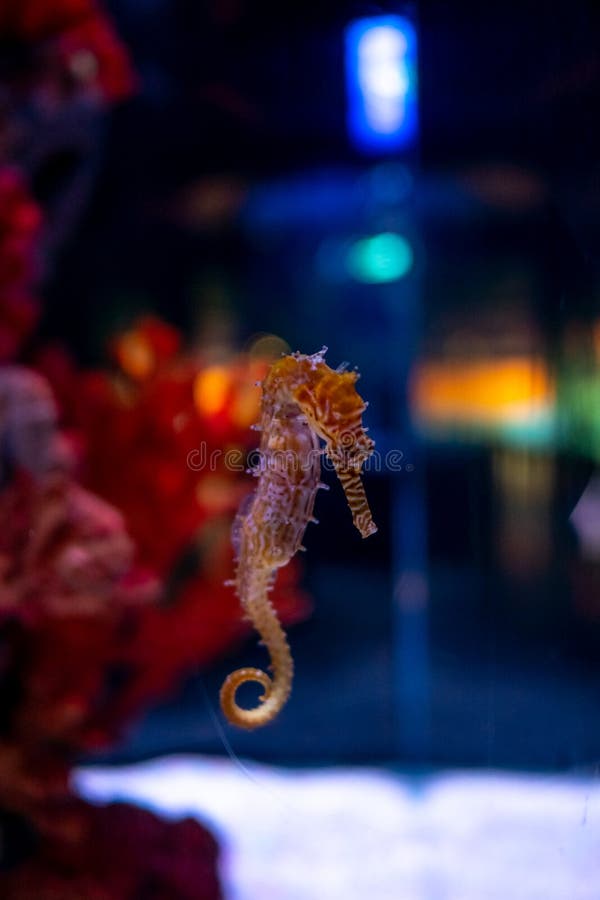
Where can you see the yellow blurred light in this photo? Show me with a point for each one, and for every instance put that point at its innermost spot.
(267, 346)
(211, 388)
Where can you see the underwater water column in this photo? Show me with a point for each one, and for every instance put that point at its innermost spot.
(388, 265)
(382, 108)
(411, 653)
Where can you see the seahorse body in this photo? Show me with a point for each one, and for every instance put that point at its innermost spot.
(303, 400)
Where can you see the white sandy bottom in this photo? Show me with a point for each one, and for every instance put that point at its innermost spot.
(365, 834)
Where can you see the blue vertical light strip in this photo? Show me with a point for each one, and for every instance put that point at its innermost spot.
(381, 84)
(411, 652)
(412, 660)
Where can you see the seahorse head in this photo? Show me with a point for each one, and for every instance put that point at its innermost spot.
(333, 408)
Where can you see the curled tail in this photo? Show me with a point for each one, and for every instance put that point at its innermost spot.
(276, 689)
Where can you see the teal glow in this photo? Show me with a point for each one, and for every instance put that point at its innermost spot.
(381, 258)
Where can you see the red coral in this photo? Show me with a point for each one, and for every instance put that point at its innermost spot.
(65, 557)
(153, 439)
(20, 221)
(144, 349)
(79, 38)
(165, 440)
(66, 584)
(84, 637)
(34, 20)
(118, 852)
(94, 56)
(63, 551)
(73, 605)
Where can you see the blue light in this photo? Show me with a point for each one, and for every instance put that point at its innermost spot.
(381, 79)
(379, 259)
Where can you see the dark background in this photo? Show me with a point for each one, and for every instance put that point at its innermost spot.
(481, 662)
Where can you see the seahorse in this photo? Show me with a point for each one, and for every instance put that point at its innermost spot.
(303, 402)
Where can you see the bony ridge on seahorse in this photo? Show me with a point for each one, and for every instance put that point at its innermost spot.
(303, 401)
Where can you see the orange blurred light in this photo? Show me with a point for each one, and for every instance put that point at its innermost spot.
(217, 494)
(488, 391)
(211, 390)
(135, 355)
(140, 350)
(246, 405)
